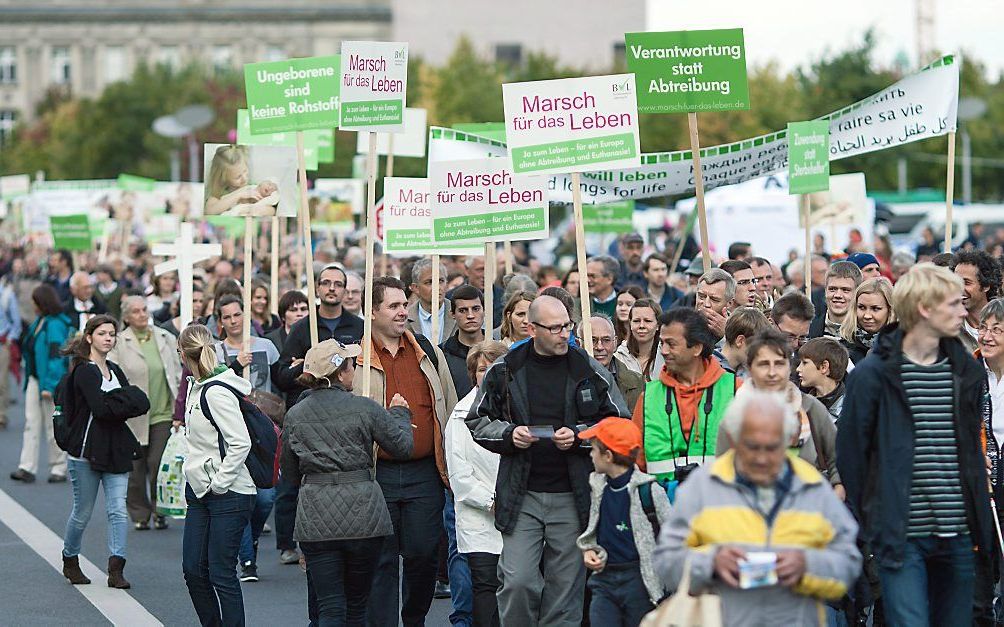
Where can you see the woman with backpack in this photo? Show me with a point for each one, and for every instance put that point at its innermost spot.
(43, 368)
(220, 490)
(95, 400)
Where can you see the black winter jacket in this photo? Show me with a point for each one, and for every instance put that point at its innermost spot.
(97, 420)
(456, 359)
(502, 405)
(875, 445)
(284, 376)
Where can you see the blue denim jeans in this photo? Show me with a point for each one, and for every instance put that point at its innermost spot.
(339, 578)
(262, 508)
(414, 495)
(934, 585)
(619, 596)
(214, 525)
(461, 588)
(85, 489)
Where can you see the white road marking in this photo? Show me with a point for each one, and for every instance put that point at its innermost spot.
(116, 605)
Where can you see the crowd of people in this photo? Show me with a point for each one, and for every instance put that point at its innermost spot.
(813, 442)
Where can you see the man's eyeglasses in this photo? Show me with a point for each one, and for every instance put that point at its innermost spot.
(745, 282)
(604, 340)
(328, 283)
(555, 329)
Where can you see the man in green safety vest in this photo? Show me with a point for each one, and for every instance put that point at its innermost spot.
(680, 411)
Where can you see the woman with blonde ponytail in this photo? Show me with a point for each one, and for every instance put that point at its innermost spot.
(220, 491)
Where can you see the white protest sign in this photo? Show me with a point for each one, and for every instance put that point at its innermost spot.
(572, 124)
(15, 185)
(407, 221)
(374, 86)
(920, 106)
(480, 199)
(410, 143)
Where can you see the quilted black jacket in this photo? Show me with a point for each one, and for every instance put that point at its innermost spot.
(331, 430)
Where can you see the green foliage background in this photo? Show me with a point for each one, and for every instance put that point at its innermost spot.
(80, 138)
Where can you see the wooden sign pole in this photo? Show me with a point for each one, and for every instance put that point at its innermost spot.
(580, 259)
(490, 265)
(435, 339)
(702, 216)
(389, 173)
(274, 274)
(807, 266)
(949, 192)
(308, 247)
(248, 247)
(507, 250)
(371, 167)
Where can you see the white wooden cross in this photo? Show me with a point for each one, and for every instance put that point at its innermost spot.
(186, 254)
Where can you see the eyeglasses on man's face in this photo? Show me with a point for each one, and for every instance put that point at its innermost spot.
(555, 329)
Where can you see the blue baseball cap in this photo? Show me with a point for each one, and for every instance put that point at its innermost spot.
(862, 259)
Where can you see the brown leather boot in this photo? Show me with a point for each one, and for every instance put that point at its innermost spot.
(116, 565)
(71, 570)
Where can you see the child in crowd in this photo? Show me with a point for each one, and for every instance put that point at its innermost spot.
(627, 507)
(229, 190)
(822, 367)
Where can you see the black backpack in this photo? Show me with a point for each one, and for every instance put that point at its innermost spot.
(648, 505)
(263, 460)
(64, 410)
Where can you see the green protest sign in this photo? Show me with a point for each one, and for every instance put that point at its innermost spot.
(689, 71)
(325, 146)
(293, 95)
(491, 130)
(131, 183)
(374, 86)
(480, 199)
(311, 139)
(71, 232)
(613, 217)
(808, 156)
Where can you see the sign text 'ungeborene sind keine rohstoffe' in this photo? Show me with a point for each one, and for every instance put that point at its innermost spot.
(293, 95)
(572, 124)
(689, 71)
(407, 221)
(374, 86)
(480, 199)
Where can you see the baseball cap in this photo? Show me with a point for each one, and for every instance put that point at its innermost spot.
(632, 237)
(862, 259)
(619, 435)
(696, 267)
(322, 360)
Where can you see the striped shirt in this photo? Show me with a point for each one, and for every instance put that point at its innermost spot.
(936, 503)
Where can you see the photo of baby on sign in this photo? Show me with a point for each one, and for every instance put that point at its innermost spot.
(250, 180)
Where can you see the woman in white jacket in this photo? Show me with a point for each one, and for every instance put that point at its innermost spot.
(472, 471)
(220, 491)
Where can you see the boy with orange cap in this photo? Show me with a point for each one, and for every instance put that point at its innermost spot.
(625, 512)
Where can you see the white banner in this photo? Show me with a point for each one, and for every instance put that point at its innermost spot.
(409, 143)
(920, 106)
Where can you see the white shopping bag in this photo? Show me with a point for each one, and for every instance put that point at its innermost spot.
(171, 478)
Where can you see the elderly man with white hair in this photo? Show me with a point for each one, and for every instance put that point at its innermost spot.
(759, 527)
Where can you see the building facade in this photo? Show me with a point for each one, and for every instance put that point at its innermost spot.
(85, 45)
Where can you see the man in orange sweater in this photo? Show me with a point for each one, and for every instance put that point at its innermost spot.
(679, 412)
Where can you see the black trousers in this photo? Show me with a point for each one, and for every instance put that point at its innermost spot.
(339, 578)
(485, 583)
(286, 495)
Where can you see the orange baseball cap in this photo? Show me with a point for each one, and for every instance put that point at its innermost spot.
(617, 434)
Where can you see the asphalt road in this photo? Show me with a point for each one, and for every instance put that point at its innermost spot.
(33, 592)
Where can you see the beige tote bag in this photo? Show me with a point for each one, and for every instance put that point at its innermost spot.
(683, 610)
